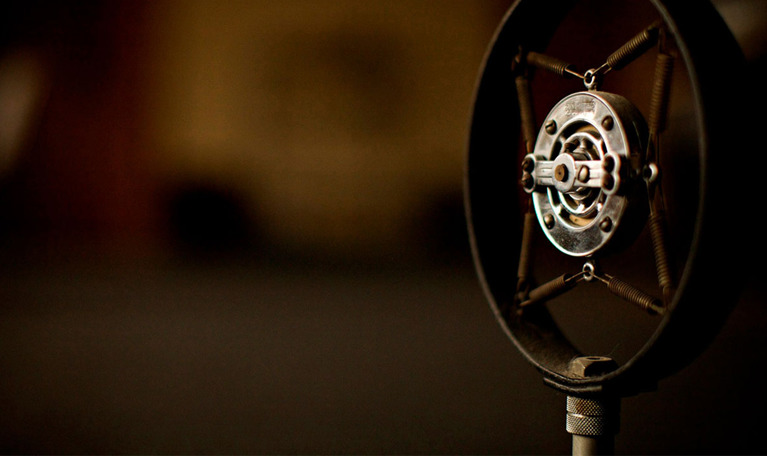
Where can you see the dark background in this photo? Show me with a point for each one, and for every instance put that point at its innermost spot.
(237, 227)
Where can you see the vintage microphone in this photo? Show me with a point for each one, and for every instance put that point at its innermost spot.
(600, 194)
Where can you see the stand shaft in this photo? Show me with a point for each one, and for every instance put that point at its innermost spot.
(587, 445)
(593, 422)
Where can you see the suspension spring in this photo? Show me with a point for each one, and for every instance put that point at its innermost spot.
(528, 229)
(526, 115)
(551, 64)
(633, 48)
(549, 290)
(659, 100)
(658, 235)
(635, 296)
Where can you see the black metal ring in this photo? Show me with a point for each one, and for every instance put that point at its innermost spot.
(697, 309)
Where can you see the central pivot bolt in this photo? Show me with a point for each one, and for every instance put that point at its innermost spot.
(560, 172)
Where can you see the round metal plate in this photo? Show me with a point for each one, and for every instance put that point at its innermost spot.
(584, 222)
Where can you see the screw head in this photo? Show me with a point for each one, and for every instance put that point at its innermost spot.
(606, 225)
(651, 172)
(548, 220)
(608, 122)
(551, 127)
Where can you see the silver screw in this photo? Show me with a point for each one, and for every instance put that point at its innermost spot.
(548, 220)
(551, 127)
(606, 225)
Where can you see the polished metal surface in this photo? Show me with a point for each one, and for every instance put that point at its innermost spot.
(586, 154)
(671, 222)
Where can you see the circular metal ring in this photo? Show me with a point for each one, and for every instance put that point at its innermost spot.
(496, 204)
(583, 138)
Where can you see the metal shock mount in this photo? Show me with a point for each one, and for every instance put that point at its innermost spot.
(591, 180)
(588, 165)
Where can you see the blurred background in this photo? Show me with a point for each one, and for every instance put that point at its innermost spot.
(237, 227)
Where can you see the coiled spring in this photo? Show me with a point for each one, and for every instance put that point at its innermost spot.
(549, 290)
(660, 94)
(528, 228)
(658, 235)
(634, 296)
(633, 48)
(527, 117)
(552, 64)
(619, 288)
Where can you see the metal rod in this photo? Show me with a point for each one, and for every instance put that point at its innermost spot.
(523, 269)
(584, 445)
(593, 423)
